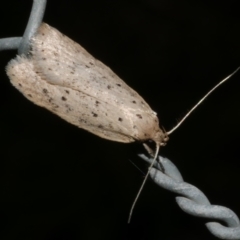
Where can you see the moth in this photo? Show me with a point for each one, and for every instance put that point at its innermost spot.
(61, 76)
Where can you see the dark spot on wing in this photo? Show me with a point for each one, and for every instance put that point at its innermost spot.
(45, 91)
(82, 120)
(94, 114)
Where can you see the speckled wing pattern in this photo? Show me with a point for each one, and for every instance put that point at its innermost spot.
(64, 78)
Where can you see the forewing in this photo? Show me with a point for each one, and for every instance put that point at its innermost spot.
(63, 62)
(75, 107)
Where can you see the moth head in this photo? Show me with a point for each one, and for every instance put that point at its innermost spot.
(164, 138)
(160, 139)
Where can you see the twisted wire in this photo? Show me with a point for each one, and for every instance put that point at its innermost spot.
(166, 175)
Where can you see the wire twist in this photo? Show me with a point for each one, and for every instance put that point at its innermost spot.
(194, 201)
(23, 43)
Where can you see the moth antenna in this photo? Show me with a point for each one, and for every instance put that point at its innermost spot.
(201, 100)
(143, 183)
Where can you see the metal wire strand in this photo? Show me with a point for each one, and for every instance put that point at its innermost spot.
(194, 201)
(22, 43)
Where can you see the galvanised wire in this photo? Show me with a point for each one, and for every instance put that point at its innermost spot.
(22, 43)
(166, 175)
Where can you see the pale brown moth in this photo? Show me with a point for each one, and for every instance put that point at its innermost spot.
(61, 76)
(64, 78)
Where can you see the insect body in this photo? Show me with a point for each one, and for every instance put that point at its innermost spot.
(61, 76)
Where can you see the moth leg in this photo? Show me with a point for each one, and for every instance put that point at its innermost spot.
(149, 150)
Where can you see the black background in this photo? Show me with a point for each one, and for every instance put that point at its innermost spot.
(61, 182)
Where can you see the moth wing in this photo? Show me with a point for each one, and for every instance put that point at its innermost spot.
(62, 62)
(98, 117)
(64, 78)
